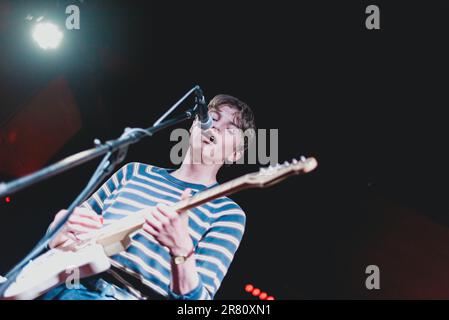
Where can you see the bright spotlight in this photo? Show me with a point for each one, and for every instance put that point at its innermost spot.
(47, 35)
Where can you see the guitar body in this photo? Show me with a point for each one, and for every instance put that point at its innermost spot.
(86, 259)
(55, 267)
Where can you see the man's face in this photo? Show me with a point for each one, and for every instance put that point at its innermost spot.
(222, 142)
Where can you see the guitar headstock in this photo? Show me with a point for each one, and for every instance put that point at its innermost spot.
(274, 174)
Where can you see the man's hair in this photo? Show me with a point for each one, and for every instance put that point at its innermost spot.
(244, 117)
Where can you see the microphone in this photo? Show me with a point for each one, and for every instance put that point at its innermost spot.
(203, 116)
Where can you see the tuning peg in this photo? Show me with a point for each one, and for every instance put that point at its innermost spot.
(97, 142)
(294, 161)
(303, 159)
(286, 163)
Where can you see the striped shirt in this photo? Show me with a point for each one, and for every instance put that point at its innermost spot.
(215, 227)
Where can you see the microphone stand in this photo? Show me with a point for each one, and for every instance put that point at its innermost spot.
(115, 151)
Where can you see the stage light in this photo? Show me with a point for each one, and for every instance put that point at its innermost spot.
(7, 199)
(47, 35)
(255, 292)
(249, 288)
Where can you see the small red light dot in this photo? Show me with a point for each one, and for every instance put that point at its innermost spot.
(8, 199)
(270, 298)
(256, 292)
(263, 296)
(249, 288)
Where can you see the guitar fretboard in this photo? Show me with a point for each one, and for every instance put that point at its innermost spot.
(212, 193)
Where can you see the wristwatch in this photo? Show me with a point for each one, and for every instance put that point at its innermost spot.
(181, 259)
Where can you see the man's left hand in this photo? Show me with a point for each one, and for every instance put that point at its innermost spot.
(170, 228)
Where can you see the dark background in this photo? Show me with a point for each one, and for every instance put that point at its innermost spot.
(368, 105)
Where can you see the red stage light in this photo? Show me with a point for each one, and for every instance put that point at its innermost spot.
(263, 296)
(249, 288)
(8, 199)
(256, 292)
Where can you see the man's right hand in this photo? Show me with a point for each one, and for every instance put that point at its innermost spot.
(80, 225)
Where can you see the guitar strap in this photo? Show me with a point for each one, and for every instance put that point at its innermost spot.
(126, 281)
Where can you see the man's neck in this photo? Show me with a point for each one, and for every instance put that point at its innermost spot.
(198, 173)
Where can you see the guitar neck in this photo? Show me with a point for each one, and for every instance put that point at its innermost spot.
(210, 194)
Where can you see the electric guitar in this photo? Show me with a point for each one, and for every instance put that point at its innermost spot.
(90, 257)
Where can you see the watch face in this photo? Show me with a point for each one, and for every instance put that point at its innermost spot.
(179, 260)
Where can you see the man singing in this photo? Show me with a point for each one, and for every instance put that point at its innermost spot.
(175, 256)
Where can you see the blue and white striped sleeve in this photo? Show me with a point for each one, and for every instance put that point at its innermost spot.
(96, 200)
(214, 254)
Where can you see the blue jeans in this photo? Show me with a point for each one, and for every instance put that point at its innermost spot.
(89, 289)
